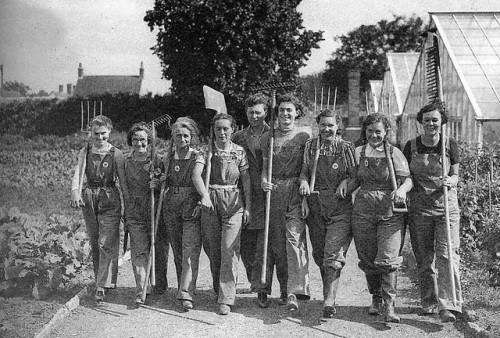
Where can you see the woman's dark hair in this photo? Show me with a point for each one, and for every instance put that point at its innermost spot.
(256, 99)
(329, 113)
(139, 126)
(438, 105)
(290, 98)
(371, 119)
(224, 117)
(189, 124)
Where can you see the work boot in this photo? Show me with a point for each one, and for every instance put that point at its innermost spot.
(99, 294)
(224, 309)
(292, 303)
(262, 300)
(375, 289)
(283, 298)
(329, 311)
(186, 305)
(376, 307)
(389, 283)
(447, 316)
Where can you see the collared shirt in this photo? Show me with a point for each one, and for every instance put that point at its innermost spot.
(400, 164)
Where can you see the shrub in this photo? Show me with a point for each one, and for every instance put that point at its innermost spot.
(41, 254)
(480, 223)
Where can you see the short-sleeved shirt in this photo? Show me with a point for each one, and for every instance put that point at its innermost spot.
(452, 150)
(401, 167)
(226, 164)
(339, 150)
(288, 152)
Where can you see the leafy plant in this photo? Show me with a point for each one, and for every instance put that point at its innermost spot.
(479, 199)
(41, 254)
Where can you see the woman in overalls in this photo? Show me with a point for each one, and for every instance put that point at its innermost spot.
(287, 247)
(138, 201)
(223, 210)
(378, 232)
(100, 201)
(329, 212)
(427, 215)
(181, 199)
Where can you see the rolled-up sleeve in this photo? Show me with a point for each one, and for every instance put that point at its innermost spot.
(400, 163)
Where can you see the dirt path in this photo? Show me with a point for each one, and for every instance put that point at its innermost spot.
(118, 317)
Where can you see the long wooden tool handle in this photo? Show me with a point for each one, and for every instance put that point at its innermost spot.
(208, 166)
(445, 196)
(312, 182)
(263, 276)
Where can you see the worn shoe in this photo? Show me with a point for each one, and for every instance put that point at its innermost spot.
(224, 309)
(99, 294)
(186, 305)
(262, 300)
(283, 298)
(447, 316)
(291, 303)
(376, 307)
(329, 311)
(428, 310)
(391, 316)
(138, 300)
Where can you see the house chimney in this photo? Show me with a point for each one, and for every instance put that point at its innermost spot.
(353, 129)
(69, 88)
(61, 88)
(141, 71)
(80, 71)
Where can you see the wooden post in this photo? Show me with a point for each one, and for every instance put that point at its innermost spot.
(321, 106)
(328, 99)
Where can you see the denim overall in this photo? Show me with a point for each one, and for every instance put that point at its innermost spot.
(183, 228)
(138, 216)
(102, 213)
(221, 228)
(428, 230)
(377, 231)
(329, 218)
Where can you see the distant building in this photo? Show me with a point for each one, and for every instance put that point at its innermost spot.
(469, 59)
(373, 96)
(92, 85)
(395, 87)
(61, 95)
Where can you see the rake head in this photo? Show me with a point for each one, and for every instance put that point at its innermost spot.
(159, 121)
(275, 86)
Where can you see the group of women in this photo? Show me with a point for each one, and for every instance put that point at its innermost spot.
(214, 198)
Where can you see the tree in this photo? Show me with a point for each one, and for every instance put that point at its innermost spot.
(365, 48)
(16, 87)
(229, 45)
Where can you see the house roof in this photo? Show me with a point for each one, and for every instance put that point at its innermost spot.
(472, 40)
(402, 66)
(108, 84)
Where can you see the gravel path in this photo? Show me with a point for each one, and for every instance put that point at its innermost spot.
(163, 317)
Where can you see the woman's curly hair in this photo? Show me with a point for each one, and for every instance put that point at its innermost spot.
(438, 105)
(139, 126)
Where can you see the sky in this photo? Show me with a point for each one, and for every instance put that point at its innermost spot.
(43, 41)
